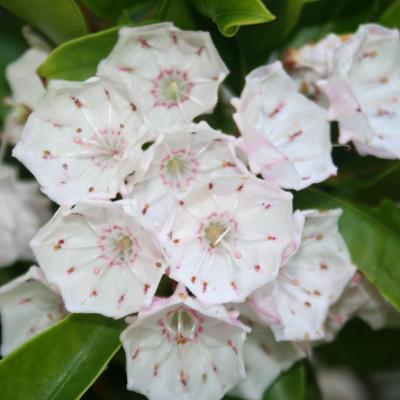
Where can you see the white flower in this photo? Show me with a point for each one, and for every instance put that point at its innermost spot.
(174, 74)
(28, 305)
(359, 299)
(23, 210)
(364, 91)
(26, 88)
(179, 350)
(312, 63)
(296, 304)
(183, 159)
(264, 358)
(83, 139)
(102, 260)
(230, 236)
(285, 135)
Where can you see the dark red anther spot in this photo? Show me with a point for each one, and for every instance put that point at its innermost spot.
(146, 288)
(76, 101)
(210, 186)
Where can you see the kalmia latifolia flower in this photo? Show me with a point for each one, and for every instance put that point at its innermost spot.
(102, 260)
(82, 140)
(230, 236)
(28, 305)
(312, 63)
(27, 90)
(175, 74)
(183, 160)
(364, 91)
(177, 349)
(296, 304)
(23, 210)
(285, 135)
(264, 358)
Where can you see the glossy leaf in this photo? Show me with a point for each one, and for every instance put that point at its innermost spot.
(372, 235)
(78, 59)
(230, 15)
(62, 362)
(108, 8)
(60, 20)
(391, 16)
(359, 347)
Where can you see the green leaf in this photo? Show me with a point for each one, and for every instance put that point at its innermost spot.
(62, 362)
(230, 15)
(60, 20)
(391, 16)
(108, 8)
(361, 348)
(298, 383)
(78, 59)
(372, 235)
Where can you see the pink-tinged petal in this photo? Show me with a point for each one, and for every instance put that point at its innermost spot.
(313, 62)
(359, 299)
(28, 305)
(265, 359)
(363, 91)
(285, 135)
(296, 304)
(82, 140)
(229, 237)
(175, 74)
(183, 159)
(101, 259)
(23, 210)
(179, 350)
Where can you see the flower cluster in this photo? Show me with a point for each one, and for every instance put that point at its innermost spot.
(146, 193)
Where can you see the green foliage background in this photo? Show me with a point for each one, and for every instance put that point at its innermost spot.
(63, 362)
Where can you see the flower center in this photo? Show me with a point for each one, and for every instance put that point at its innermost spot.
(182, 325)
(214, 233)
(171, 87)
(175, 165)
(125, 243)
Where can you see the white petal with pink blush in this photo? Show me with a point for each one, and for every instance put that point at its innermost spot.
(83, 139)
(285, 135)
(177, 349)
(175, 74)
(182, 160)
(101, 259)
(296, 304)
(364, 91)
(230, 236)
(28, 306)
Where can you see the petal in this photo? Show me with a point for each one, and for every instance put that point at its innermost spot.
(102, 260)
(311, 281)
(174, 73)
(181, 350)
(363, 91)
(230, 237)
(28, 305)
(285, 135)
(82, 141)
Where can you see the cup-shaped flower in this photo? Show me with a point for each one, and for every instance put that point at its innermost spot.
(82, 140)
(231, 236)
(364, 91)
(183, 160)
(177, 349)
(296, 304)
(285, 135)
(359, 299)
(101, 259)
(27, 90)
(23, 210)
(313, 62)
(28, 305)
(176, 74)
(264, 358)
